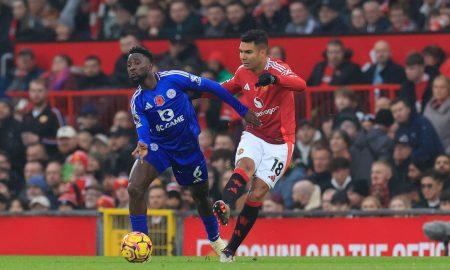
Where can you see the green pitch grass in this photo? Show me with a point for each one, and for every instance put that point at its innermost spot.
(242, 263)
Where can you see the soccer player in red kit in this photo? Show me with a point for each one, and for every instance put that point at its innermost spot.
(264, 152)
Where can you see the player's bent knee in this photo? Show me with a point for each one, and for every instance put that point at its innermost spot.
(135, 191)
(247, 165)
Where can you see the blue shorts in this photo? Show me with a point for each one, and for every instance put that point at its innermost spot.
(186, 175)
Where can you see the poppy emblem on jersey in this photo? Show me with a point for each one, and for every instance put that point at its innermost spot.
(159, 100)
(171, 93)
(258, 102)
(153, 147)
(240, 151)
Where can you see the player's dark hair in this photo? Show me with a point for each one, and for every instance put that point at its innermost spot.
(93, 57)
(258, 36)
(414, 59)
(143, 51)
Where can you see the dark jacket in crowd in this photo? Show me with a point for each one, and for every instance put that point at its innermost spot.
(408, 90)
(321, 179)
(11, 142)
(421, 135)
(45, 125)
(192, 26)
(382, 25)
(246, 24)
(335, 27)
(369, 146)
(22, 83)
(188, 60)
(344, 74)
(277, 24)
(120, 74)
(99, 81)
(392, 73)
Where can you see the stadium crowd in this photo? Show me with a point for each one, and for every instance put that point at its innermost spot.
(397, 158)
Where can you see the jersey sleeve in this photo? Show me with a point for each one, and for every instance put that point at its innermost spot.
(204, 85)
(232, 85)
(288, 79)
(140, 121)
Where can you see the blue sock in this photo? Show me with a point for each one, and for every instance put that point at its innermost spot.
(211, 227)
(139, 223)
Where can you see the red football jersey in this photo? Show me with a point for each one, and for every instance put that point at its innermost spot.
(274, 104)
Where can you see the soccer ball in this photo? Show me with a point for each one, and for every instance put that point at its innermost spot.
(136, 247)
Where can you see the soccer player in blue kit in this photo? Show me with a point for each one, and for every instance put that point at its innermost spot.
(168, 132)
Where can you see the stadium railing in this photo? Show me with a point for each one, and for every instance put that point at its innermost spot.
(316, 102)
(161, 224)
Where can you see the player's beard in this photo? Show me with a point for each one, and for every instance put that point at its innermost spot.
(139, 79)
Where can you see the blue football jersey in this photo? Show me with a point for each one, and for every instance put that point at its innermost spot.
(165, 118)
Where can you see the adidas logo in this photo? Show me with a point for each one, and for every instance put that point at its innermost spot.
(148, 106)
(247, 87)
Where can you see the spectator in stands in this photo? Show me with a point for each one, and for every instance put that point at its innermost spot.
(217, 21)
(32, 168)
(157, 197)
(36, 152)
(358, 22)
(92, 193)
(273, 205)
(120, 159)
(100, 147)
(340, 173)
(336, 69)
(376, 22)
(349, 124)
(53, 177)
(183, 55)
(174, 196)
(240, 21)
(155, 18)
(438, 22)
(346, 106)
(17, 206)
(141, 20)
(25, 27)
(67, 143)
(274, 17)
(371, 203)
(330, 23)
(402, 159)
(40, 203)
(117, 19)
(224, 141)
(10, 175)
(400, 20)
(222, 160)
(417, 87)
(181, 20)
(433, 56)
(327, 195)
(438, 110)
(306, 135)
(383, 186)
(442, 165)
(84, 140)
(216, 62)
(321, 157)
(417, 131)
(25, 71)
(372, 145)
(35, 186)
(41, 123)
(301, 23)
(10, 138)
(67, 202)
(122, 119)
(93, 76)
(278, 52)
(120, 192)
(88, 120)
(127, 40)
(444, 203)
(340, 144)
(60, 77)
(399, 203)
(340, 201)
(305, 196)
(431, 184)
(384, 69)
(356, 192)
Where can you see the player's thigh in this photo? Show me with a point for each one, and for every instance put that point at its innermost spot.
(145, 171)
(274, 162)
(194, 174)
(249, 152)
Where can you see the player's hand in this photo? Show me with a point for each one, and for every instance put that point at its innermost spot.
(251, 118)
(266, 79)
(141, 150)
